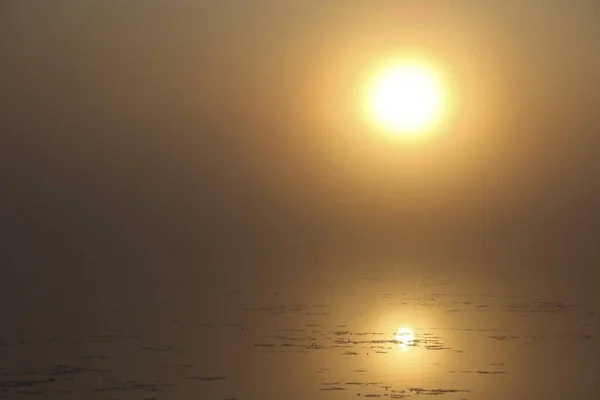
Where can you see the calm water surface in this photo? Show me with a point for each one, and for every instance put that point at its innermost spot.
(238, 333)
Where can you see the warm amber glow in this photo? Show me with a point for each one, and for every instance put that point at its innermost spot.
(405, 99)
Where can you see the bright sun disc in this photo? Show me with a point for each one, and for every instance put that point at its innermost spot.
(405, 99)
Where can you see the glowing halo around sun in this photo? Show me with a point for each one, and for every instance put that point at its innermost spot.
(405, 99)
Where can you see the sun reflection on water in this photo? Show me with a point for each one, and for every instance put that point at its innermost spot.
(405, 338)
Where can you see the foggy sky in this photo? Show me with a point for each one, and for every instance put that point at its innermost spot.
(164, 132)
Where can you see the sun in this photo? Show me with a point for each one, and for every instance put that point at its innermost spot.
(405, 99)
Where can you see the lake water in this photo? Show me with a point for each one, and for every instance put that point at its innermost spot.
(313, 332)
